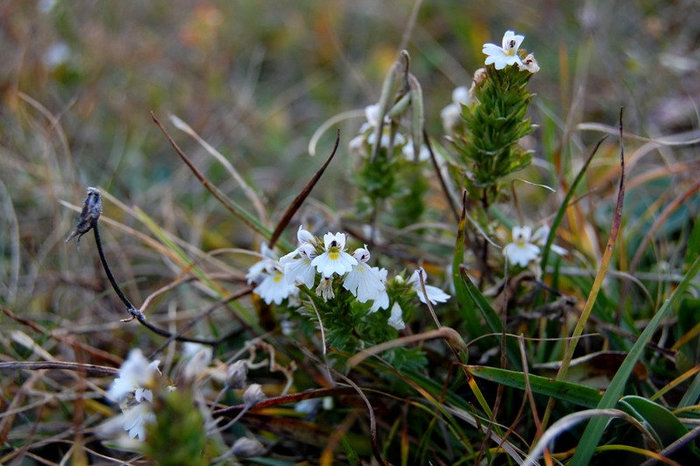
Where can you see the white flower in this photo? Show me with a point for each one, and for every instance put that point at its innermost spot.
(299, 269)
(334, 260)
(435, 294)
(135, 418)
(136, 376)
(362, 281)
(325, 289)
(304, 236)
(256, 271)
(382, 300)
(275, 287)
(409, 153)
(451, 115)
(506, 55)
(529, 64)
(521, 251)
(198, 359)
(399, 140)
(396, 318)
(539, 237)
(357, 145)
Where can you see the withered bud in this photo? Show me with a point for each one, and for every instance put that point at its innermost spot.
(236, 374)
(92, 209)
(246, 447)
(253, 394)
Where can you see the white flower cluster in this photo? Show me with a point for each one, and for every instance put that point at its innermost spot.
(279, 279)
(507, 54)
(361, 143)
(525, 247)
(132, 390)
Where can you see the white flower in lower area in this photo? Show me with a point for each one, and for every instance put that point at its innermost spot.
(297, 265)
(275, 287)
(539, 237)
(325, 289)
(521, 251)
(334, 260)
(267, 262)
(198, 358)
(135, 418)
(505, 55)
(382, 300)
(362, 281)
(137, 375)
(396, 317)
(435, 294)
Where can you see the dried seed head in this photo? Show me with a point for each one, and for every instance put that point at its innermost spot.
(253, 395)
(92, 209)
(247, 447)
(236, 374)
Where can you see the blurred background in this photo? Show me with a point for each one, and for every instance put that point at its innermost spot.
(256, 79)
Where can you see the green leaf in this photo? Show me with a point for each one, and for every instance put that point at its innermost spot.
(658, 419)
(564, 391)
(492, 319)
(594, 430)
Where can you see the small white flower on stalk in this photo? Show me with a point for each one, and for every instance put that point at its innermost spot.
(362, 281)
(275, 287)
(382, 300)
(198, 359)
(137, 375)
(506, 55)
(410, 154)
(451, 115)
(334, 260)
(325, 289)
(396, 317)
(435, 294)
(530, 64)
(539, 237)
(521, 251)
(257, 270)
(299, 269)
(135, 418)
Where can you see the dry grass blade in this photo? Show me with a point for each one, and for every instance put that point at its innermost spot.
(571, 420)
(230, 205)
(299, 199)
(250, 194)
(91, 370)
(598, 282)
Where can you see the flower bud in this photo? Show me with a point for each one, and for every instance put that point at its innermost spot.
(236, 374)
(253, 394)
(247, 447)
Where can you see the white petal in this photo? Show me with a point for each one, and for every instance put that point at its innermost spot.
(304, 236)
(396, 318)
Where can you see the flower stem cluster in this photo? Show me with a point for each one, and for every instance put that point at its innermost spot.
(495, 119)
(391, 149)
(336, 281)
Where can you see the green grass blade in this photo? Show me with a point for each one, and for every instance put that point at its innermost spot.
(492, 319)
(469, 313)
(581, 395)
(594, 430)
